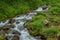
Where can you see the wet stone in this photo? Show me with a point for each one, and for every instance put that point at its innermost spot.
(9, 36)
(4, 21)
(18, 16)
(38, 37)
(17, 22)
(16, 37)
(11, 21)
(16, 32)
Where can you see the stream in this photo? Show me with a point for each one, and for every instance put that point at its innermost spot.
(20, 26)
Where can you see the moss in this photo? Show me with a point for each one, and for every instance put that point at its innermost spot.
(2, 37)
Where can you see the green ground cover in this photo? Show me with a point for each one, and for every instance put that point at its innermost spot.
(47, 22)
(11, 8)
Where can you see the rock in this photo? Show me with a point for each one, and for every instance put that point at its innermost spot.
(17, 22)
(38, 37)
(46, 22)
(6, 27)
(16, 37)
(7, 31)
(16, 32)
(9, 36)
(11, 21)
(4, 21)
(28, 20)
(29, 28)
(45, 7)
(43, 37)
(58, 37)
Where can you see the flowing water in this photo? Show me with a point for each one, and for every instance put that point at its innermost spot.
(20, 25)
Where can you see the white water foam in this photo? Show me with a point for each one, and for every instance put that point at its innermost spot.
(20, 26)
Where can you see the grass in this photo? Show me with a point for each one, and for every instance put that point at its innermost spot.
(11, 8)
(42, 22)
(51, 30)
(47, 22)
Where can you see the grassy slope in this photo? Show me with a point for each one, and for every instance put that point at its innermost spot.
(38, 25)
(10, 8)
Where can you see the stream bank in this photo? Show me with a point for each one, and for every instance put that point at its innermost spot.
(13, 29)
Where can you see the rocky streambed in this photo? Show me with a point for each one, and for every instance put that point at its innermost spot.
(13, 29)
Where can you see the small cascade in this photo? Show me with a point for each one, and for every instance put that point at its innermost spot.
(19, 26)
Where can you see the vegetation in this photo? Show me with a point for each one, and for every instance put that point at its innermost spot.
(2, 37)
(47, 22)
(10, 8)
(43, 22)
